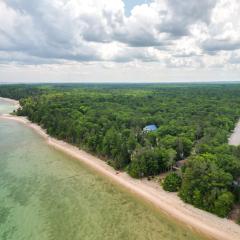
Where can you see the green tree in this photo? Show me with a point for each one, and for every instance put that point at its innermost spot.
(172, 182)
(204, 182)
(223, 204)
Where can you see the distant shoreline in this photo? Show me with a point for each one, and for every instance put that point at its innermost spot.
(234, 138)
(15, 102)
(200, 221)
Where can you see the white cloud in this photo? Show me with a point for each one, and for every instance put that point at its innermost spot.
(224, 28)
(179, 34)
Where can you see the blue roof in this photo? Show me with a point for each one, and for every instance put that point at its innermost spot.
(152, 127)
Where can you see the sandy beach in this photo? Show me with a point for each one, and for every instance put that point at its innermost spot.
(14, 102)
(234, 139)
(168, 203)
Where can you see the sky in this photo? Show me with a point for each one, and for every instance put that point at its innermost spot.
(119, 40)
(130, 4)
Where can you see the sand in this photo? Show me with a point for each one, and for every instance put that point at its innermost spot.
(169, 203)
(234, 139)
(14, 102)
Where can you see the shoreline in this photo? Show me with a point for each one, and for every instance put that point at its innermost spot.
(201, 222)
(234, 138)
(9, 100)
(170, 204)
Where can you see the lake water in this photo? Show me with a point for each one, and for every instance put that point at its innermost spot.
(6, 107)
(46, 195)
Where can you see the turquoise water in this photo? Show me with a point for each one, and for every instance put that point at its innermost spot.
(46, 195)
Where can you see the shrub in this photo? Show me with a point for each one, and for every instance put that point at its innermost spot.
(172, 182)
(223, 204)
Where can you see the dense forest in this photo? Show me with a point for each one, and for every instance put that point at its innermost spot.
(193, 124)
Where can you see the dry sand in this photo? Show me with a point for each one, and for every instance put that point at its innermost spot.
(169, 203)
(234, 139)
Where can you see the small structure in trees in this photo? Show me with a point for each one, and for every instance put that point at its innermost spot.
(179, 164)
(236, 183)
(150, 128)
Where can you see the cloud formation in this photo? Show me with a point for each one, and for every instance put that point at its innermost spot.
(174, 33)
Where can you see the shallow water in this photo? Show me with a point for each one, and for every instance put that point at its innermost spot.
(6, 107)
(46, 195)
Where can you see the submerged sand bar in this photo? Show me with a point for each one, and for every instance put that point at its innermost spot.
(169, 203)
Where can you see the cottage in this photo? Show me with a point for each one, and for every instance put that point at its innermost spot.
(179, 164)
(150, 128)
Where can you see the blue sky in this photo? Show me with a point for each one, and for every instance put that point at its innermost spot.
(129, 4)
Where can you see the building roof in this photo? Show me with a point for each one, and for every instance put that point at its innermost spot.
(150, 128)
